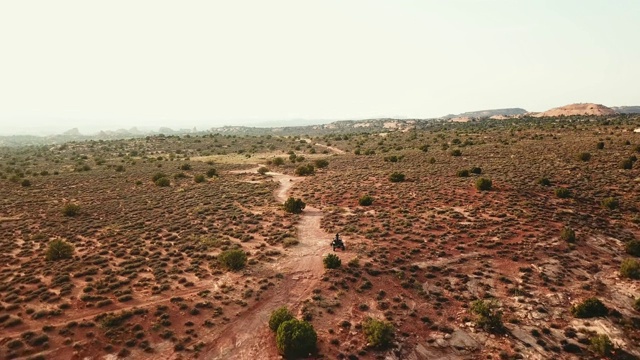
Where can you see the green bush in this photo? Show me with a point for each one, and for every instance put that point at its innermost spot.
(365, 200)
(562, 193)
(424, 147)
(483, 184)
(263, 170)
(630, 268)
(626, 164)
(71, 209)
(278, 161)
(476, 170)
(456, 152)
(636, 304)
(379, 334)
(212, 172)
(305, 170)
(584, 156)
(489, 315)
(396, 177)
(25, 183)
(633, 247)
(163, 182)
(591, 307)
(278, 316)
(600, 145)
(321, 163)
(294, 206)
(610, 203)
(233, 259)
(544, 181)
(332, 261)
(567, 234)
(462, 173)
(59, 249)
(185, 167)
(601, 345)
(199, 178)
(157, 176)
(296, 338)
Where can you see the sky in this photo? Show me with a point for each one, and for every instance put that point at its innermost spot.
(119, 64)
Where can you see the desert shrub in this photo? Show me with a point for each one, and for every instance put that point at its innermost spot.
(379, 334)
(630, 268)
(476, 170)
(636, 304)
(157, 176)
(289, 242)
(25, 183)
(601, 345)
(263, 170)
(567, 234)
(278, 161)
(489, 315)
(456, 152)
(584, 156)
(396, 177)
(212, 172)
(484, 184)
(119, 168)
(600, 145)
(321, 163)
(294, 206)
(610, 203)
(163, 182)
(233, 259)
(185, 167)
(296, 338)
(462, 173)
(332, 261)
(305, 170)
(424, 147)
(199, 178)
(626, 164)
(278, 316)
(562, 193)
(544, 181)
(633, 247)
(71, 209)
(393, 158)
(591, 307)
(432, 160)
(365, 200)
(59, 249)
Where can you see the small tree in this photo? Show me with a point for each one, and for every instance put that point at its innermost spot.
(278, 161)
(562, 193)
(278, 316)
(591, 307)
(212, 172)
(263, 170)
(296, 338)
(396, 177)
(305, 170)
(199, 178)
(233, 259)
(633, 247)
(610, 203)
(584, 156)
(163, 182)
(630, 268)
(71, 209)
(59, 249)
(484, 184)
(567, 234)
(379, 334)
(601, 345)
(321, 163)
(365, 200)
(489, 315)
(294, 206)
(332, 261)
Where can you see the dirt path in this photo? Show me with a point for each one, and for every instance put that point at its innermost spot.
(248, 336)
(334, 149)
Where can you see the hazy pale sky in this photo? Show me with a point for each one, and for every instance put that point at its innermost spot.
(117, 64)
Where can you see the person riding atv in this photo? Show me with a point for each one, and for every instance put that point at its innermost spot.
(337, 243)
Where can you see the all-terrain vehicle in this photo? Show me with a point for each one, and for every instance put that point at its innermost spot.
(337, 243)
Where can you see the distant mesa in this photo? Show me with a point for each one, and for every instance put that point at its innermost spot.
(494, 113)
(578, 109)
(627, 109)
(72, 132)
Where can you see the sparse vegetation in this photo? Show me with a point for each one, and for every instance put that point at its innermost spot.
(59, 249)
(365, 200)
(610, 203)
(71, 209)
(591, 307)
(296, 338)
(567, 234)
(489, 315)
(379, 334)
(584, 156)
(233, 259)
(279, 316)
(332, 261)
(163, 182)
(484, 184)
(630, 268)
(562, 193)
(294, 206)
(601, 345)
(396, 177)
